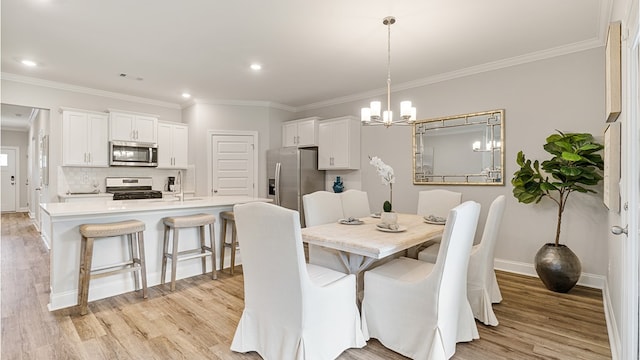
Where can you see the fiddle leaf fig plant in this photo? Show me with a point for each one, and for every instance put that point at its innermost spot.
(574, 166)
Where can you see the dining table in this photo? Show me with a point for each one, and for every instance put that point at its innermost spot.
(361, 243)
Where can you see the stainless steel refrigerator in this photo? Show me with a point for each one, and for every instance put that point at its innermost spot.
(292, 173)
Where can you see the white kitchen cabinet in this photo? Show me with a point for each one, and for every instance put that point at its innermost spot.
(300, 133)
(133, 127)
(85, 138)
(173, 144)
(339, 144)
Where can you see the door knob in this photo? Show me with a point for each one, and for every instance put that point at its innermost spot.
(617, 230)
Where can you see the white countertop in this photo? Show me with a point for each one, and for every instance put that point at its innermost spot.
(85, 195)
(124, 206)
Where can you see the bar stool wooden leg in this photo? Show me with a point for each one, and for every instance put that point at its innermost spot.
(234, 244)
(214, 272)
(223, 239)
(142, 262)
(133, 245)
(82, 272)
(85, 269)
(165, 253)
(174, 259)
(203, 249)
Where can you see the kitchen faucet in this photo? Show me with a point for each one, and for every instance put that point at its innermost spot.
(179, 186)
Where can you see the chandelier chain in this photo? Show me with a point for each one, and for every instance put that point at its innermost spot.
(389, 21)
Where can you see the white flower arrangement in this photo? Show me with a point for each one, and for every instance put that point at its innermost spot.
(385, 171)
(388, 178)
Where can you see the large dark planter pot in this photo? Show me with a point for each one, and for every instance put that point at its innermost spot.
(558, 267)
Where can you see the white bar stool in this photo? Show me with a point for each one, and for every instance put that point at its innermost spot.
(228, 218)
(134, 231)
(181, 222)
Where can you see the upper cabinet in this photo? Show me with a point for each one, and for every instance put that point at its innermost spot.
(339, 144)
(85, 138)
(173, 145)
(300, 133)
(133, 127)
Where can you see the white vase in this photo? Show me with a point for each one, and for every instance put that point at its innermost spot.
(389, 218)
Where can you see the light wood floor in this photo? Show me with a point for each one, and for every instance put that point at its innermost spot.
(198, 320)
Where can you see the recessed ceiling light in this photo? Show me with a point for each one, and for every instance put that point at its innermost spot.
(186, 95)
(256, 67)
(29, 63)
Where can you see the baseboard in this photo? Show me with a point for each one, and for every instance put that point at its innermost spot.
(612, 329)
(586, 279)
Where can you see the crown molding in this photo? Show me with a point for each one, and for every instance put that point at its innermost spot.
(85, 90)
(500, 64)
(473, 70)
(268, 104)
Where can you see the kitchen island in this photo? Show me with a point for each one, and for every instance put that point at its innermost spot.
(60, 231)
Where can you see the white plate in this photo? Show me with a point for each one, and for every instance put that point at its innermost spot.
(435, 222)
(376, 216)
(400, 229)
(352, 222)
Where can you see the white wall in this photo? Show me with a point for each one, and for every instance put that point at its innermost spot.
(39, 126)
(564, 93)
(204, 117)
(46, 97)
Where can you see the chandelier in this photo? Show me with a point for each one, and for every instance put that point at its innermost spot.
(371, 115)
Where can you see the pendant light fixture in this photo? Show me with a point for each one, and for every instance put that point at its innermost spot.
(371, 115)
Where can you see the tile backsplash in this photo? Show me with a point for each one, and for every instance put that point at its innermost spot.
(85, 179)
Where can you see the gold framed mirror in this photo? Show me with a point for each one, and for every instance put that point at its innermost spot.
(466, 149)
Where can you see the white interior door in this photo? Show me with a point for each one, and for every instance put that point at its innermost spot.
(629, 206)
(632, 198)
(9, 182)
(233, 164)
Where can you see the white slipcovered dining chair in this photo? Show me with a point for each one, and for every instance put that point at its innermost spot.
(419, 309)
(482, 285)
(323, 207)
(293, 310)
(437, 202)
(355, 203)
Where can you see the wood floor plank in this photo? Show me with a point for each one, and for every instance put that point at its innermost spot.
(198, 320)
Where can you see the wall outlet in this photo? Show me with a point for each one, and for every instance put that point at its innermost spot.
(85, 178)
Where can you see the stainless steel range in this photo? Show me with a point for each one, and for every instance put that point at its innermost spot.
(130, 188)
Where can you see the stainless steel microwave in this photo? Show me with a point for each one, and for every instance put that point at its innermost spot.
(124, 153)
